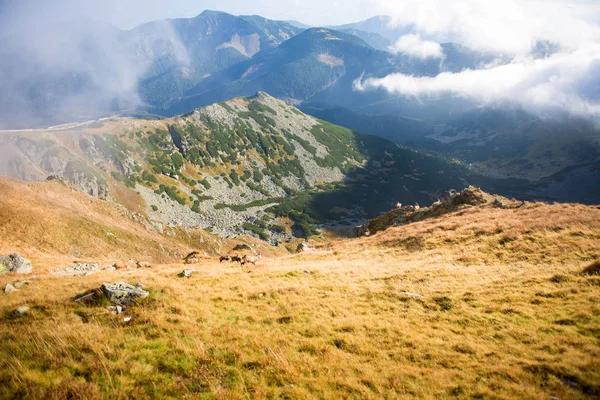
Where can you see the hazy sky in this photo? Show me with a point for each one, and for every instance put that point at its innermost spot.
(126, 14)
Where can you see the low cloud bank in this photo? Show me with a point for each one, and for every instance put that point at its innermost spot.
(540, 85)
(414, 45)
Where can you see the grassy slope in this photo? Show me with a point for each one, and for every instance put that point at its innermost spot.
(505, 314)
(52, 224)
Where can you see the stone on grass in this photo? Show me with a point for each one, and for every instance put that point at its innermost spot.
(9, 288)
(21, 311)
(20, 284)
(15, 263)
(187, 273)
(413, 295)
(123, 294)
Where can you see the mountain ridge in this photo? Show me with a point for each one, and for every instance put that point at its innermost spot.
(244, 165)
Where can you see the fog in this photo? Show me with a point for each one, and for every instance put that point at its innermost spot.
(58, 67)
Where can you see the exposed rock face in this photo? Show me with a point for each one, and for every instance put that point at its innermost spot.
(34, 159)
(123, 294)
(242, 246)
(16, 264)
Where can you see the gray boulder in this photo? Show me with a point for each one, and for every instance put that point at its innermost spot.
(123, 294)
(15, 263)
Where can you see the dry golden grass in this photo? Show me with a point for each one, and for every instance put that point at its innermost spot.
(506, 313)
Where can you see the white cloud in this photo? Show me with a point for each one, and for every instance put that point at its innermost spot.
(566, 81)
(414, 46)
(542, 85)
(508, 26)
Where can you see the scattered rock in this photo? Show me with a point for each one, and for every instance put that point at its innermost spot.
(20, 284)
(126, 319)
(21, 311)
(242, 246)
(143, 264)
(413, 295)
(307, 272)
(111, 268)
(84, 267)
(15, 263)
(304, 248)
(78, 269)
(9, 288)
(122, 293)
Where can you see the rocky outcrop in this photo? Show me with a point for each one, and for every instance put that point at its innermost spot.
(449, 201)
(14, 263)
(123, 294)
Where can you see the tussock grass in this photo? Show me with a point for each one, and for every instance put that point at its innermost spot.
(505, 313)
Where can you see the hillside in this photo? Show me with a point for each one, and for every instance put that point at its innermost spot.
(249, 165)
(479, 302)
(321, 65)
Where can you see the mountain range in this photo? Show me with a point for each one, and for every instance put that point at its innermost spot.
(167, 68)
(253, 165)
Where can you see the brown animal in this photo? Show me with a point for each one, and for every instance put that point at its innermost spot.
(250, 259)
(236, 259)
(143, 264)
(192, 258)
(120, 265)
(224, 258)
